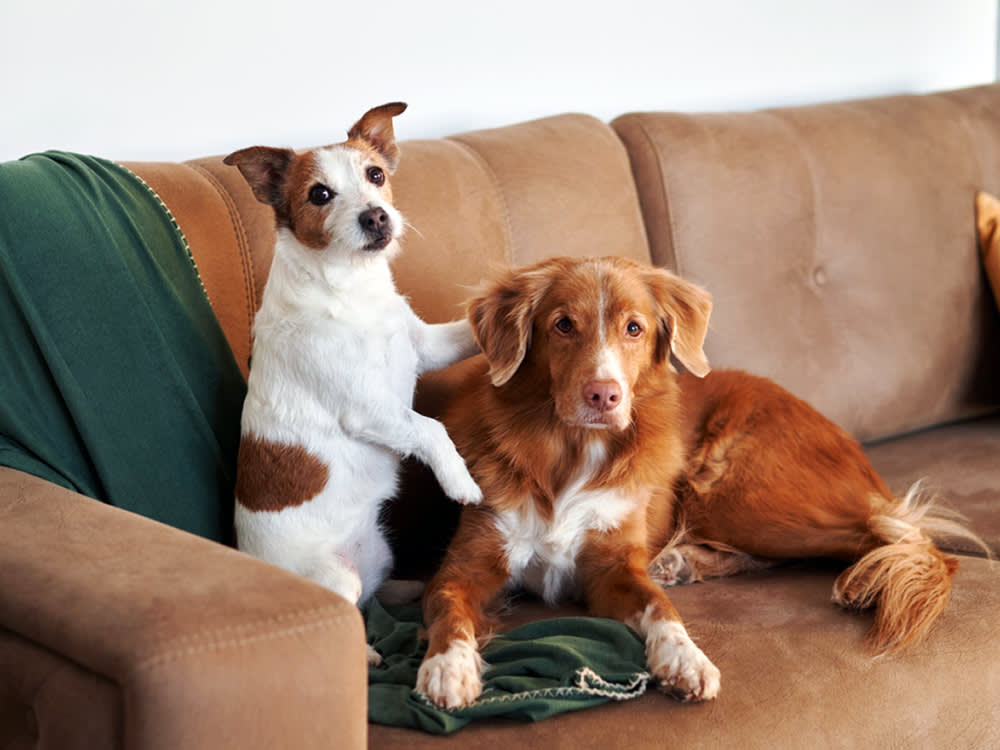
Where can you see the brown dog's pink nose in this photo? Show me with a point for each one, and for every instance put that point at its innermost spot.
(603, 395)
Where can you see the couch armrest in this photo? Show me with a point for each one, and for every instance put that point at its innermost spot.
(209, 647)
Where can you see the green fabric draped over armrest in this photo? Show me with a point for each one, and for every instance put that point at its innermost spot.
(116, 379)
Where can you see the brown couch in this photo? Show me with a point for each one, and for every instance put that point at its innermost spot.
(839, 244)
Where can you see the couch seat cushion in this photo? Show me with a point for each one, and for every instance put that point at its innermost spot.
(794, 673)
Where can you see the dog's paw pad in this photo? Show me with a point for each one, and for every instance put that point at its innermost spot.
(453, 678)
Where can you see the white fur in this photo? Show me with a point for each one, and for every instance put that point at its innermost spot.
(452, 678)
(336, 355)
(674, 659)
(608, 366)
(541, 553)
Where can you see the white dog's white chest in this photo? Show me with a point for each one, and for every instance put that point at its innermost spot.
(541, 554)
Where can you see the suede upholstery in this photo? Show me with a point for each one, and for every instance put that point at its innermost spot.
(802, 247)
(839, 243)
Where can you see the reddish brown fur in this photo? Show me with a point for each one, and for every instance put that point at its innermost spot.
(271, 476)
(452, 608)
(770, 476)
(613, 571)
(522, 450)
(743, 464)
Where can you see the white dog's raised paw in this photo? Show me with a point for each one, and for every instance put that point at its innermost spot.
(453, 678)
(374, 657)
(681, 668)
(460, 486)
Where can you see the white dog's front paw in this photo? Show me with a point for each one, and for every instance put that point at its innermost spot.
(679, 666)
(453, 678)
(459, 485)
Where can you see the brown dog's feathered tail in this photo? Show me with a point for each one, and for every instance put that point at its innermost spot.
(907, 579)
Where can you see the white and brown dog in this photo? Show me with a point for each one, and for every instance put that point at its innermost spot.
(336, 355)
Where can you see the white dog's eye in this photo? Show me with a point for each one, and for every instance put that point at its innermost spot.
(633, 329)
(320, 195)
(376, 176)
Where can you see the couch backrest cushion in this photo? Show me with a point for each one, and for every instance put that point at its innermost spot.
(474, 203)
(839, 243)
(509, 196)
(231, 236)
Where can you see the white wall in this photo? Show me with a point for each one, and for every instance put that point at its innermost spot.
(134, 79)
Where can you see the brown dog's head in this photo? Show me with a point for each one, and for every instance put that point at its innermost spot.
(593, 330)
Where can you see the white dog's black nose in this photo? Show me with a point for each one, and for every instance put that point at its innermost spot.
(375, 222)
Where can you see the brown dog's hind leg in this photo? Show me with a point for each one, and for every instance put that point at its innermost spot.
(691, 563)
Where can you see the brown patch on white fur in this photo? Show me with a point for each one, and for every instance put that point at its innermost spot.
(306, 220)
(283, 178)
(375, 130)
(271, 476)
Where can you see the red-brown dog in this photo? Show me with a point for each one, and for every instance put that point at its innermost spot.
(594, 456)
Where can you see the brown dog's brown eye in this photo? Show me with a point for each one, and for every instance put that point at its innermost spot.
(564, 325)
(633, 329)
(320, 195)
(376, 176)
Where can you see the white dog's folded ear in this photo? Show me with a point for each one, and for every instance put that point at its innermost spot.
(684, 311)
(375, 127)
(265, 169)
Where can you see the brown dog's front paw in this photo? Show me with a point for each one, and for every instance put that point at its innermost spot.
(679, 666)
(453, 678)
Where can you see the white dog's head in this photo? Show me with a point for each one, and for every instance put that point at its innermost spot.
(335, 200)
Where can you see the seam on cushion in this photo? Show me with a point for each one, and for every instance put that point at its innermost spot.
(674, 258)
(807, 159)
(961, 112)
(277, 619)
(249, 289)
(501, 198)
(167, 657)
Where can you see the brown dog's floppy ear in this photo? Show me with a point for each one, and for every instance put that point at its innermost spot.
(502, 319)
(375, 127)
(684, 310)
(265, 169)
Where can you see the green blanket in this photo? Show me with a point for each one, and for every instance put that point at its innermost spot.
(533, 672)
(116, 379)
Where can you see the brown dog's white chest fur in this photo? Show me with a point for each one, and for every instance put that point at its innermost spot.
(541, 550)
